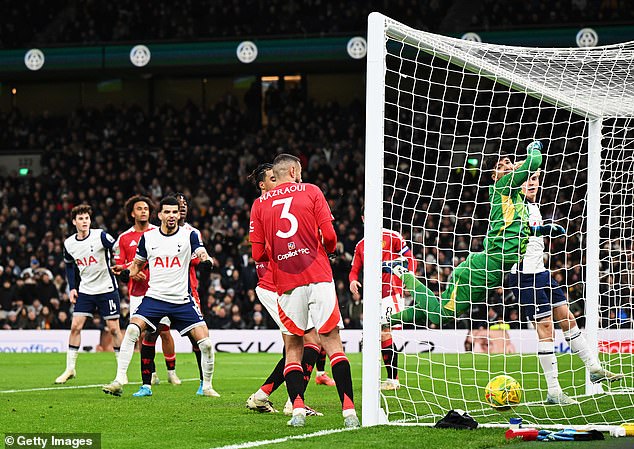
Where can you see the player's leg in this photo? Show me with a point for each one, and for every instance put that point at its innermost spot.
(148, 352)
(390, 360)
(74, 342)
(312, 348)
(199, 361)
(188, 320)
(321, 376)
(470, 282)
(324, 311)
(294, 378)
(137, 325)
(201, 335)
(135, 302)
(580, 347)
(426, 303)
(293, 312)
(259, 401)
(389, 304)
(169, 353)
(110, 310)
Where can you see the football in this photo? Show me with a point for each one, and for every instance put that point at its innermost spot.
(503, 392)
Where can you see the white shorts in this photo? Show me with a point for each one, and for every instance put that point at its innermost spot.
(268, 299)
(392, 304)
(135, 302)
(313, 302)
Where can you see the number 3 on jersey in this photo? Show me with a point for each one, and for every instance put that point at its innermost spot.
(286, 214)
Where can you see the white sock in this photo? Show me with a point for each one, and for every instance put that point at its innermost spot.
(579, 346)
(548, 361)
(349, 412)
(126, 352)
(171, 372)
(71, 358)
(207, 361)
(261, 395)
(320, 373)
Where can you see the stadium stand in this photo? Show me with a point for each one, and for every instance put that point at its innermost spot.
(65, 22)
(104, 156)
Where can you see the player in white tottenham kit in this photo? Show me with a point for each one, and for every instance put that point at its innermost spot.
(88, 252)
(542, 299)
(167, 251)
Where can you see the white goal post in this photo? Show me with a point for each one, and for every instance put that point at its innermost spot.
(436, 107)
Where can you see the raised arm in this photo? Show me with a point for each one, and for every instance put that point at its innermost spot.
(520, 175)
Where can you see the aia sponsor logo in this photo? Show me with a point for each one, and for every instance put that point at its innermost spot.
(86, 261)
(167, 262)
(617, 347)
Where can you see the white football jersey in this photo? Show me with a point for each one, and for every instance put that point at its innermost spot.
(168, 258)
(92, 258)
(534, 257)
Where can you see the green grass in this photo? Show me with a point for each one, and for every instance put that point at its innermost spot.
(175, 417)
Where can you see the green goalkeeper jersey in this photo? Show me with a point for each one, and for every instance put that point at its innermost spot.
(508, 220)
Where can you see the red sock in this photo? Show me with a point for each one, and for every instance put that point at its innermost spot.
(343, 378)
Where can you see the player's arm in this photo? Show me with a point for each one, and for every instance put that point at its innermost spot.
(139, 259)
(520, 175)
(107, 240)
(355, 270)
(69, 262)
(324, 221)
(196, 260)
(198, 249)
(256, 237)
(548, 230)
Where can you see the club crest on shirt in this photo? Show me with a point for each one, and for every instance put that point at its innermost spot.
(291, 246)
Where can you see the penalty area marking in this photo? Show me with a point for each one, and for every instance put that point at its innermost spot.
(74, 387)
(303, 436)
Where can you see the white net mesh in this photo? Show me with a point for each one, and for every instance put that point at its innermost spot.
(448, 105)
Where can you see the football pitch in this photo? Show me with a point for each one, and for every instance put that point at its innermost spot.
(175, 417)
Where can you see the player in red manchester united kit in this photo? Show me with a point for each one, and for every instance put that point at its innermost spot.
(393, 246)
(138, 210)
(259, 401)
(291, 226)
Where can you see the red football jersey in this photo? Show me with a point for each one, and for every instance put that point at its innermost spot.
(287, 221)
(393, 245)
(124, 252)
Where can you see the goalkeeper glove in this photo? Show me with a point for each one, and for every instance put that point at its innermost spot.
(534, 145)
(551, 230)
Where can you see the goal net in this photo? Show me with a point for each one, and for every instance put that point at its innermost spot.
(437, 108)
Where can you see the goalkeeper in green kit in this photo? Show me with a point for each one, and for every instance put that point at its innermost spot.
(504, 246)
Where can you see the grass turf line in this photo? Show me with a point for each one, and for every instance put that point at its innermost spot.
(175, 417)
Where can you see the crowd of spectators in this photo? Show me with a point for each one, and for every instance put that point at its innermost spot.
(90, 22)
(102, 157)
